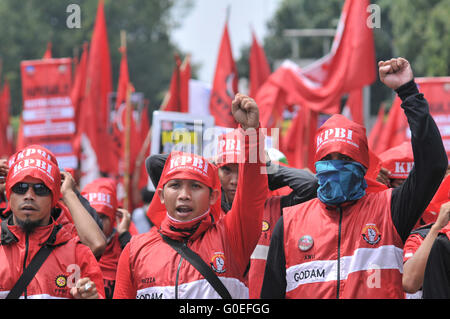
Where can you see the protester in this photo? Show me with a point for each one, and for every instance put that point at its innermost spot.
(102, 195)
(348, 243)
(397, 162)
(70, 270)
(416, 251)
(72, 210)
(302, 185)
(188, 196)
(139, 216)
(436, 281)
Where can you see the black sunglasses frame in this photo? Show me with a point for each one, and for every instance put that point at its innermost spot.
(39, 189)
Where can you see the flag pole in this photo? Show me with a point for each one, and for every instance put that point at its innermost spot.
(126, 178)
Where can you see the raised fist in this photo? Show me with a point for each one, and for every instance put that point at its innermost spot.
(245, 111)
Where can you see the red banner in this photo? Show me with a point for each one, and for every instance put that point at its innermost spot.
(48, 114)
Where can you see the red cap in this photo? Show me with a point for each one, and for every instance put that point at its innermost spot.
(399, 160)
(229, 148)
(37, 167)
(102, 196)
(341, 135)
(180, 165)
(34, 151)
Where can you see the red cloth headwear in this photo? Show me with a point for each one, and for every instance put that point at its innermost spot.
(341, 135)
(102, 196)
(399, 160)
(34, 151)
(230, 148)
(180, 165)
(37, 167)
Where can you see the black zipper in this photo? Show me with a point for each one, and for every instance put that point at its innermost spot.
(25, 261)
(339, 253)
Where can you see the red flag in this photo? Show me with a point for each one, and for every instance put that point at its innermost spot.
(320, 86)
(259, 67)
(376, 131)
(48, 51)
(224, 85)
(95, 111)
(349, 66)
(177, 98)
(6, 138)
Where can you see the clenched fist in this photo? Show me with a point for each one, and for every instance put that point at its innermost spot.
(245, 111)
(395, 72)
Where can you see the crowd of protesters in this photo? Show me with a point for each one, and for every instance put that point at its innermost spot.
(233, 227)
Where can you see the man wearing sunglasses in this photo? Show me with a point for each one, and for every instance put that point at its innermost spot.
(70, 270)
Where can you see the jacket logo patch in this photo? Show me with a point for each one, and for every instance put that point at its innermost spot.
(371, 234)
(61, 281)
(218, 263)
(305, 243)
(265, 226)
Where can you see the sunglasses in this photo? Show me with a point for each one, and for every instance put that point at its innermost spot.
(39, 189)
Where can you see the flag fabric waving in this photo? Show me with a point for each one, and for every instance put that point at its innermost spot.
(224, 85)
(259, 67)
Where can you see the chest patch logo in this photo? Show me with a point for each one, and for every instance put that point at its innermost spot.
(61, 281)
(265, 225)
(371, 234)
(218, 263)
(305, 243)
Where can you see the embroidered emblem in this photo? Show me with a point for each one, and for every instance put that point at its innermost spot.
(61, 281)
(371, 234)
(265, 226)
(305, 243)
(218, 263)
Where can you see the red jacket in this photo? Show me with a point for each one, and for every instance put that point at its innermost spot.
(67, 263)
(150, 268)
(272, 212)
(356, 253)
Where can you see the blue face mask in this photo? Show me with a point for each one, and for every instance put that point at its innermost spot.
(340, 181)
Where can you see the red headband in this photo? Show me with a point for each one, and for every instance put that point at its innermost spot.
(229, 148)
(102, 196)
(181, 165)
(37, 167)
(339, 134)
(398, 160)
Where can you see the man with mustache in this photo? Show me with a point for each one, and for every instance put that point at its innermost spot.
(70, 270)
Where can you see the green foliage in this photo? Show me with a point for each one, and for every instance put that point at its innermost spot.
(26, 26)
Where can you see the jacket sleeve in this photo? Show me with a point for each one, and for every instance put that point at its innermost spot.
(274, 282)
(243, 222)
(303, 184)
(430, 162)
(124, 288)
(90, 268)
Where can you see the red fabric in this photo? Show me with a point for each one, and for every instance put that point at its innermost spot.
(184, 166)
(259, 67)
(177, 99)
(399, 160)
(36, 167)
(110, 258)
(225, 84)
(102, 196)
(319, 87)
(48, 51)
(441, 196)
(411, 245)
(377, 130)
(94, 111)
(339, 134)
(349, 66)
(229, 148)
(67, 263)
(6, 138)
(78, 91)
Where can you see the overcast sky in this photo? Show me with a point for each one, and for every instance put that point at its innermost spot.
(201, 30)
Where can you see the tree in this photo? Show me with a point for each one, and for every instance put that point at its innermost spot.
(27, 26)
